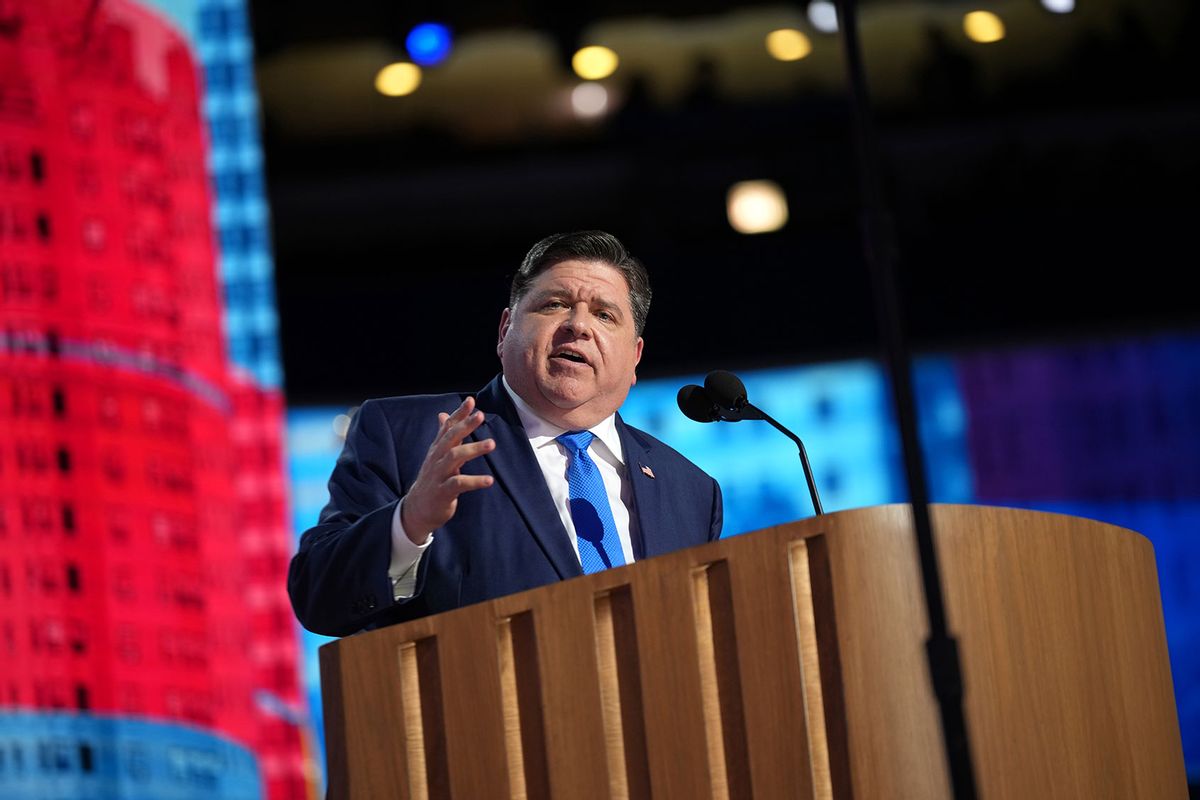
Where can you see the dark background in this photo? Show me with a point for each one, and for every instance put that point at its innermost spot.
(1028, 206)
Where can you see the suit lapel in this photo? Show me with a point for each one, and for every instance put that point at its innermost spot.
(516, 469)
(647, 503)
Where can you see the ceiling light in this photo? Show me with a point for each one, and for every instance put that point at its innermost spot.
(788, 44)
(594, 63)
(823, 16)
(983, 27)
(756, 207)
(399, 79)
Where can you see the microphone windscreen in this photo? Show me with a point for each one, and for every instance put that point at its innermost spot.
(695, 404)
(725, 389)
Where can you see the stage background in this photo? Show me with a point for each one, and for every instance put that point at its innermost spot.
(156, 467)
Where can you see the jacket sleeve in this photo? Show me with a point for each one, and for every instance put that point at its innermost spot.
(718, 513)
(338, 579)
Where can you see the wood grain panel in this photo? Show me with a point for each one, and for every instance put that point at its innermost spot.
(1068, 686)
(670, 677)
(810, 670)
(1069, 691)
(621, 694)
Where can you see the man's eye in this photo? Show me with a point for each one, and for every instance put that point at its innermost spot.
(607, 317)
(554, 304)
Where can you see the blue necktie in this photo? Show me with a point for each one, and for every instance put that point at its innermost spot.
(599, 545)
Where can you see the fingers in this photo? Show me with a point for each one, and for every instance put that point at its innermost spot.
(458, 484)
(465, 452)
(459, 425)
(433, 498)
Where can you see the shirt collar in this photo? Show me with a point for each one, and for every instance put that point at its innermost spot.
(542, 433)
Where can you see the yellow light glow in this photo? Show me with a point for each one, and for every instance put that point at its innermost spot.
(594, 63)
(756, 207)
(983, 27)
(788, 44)
(399, 79)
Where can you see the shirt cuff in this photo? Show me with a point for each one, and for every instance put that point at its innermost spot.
(405, 557)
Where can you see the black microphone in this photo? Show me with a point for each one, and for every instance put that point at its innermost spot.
(695, 404)
(727, 395)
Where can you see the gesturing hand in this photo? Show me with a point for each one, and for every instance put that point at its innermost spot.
(433, 498)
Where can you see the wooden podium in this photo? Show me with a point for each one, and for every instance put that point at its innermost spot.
(784, 663)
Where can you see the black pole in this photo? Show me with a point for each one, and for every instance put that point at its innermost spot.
(880, 251)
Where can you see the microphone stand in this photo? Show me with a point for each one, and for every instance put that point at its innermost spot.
(808, 473)
(880, 252)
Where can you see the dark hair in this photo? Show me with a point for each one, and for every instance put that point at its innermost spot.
(586, 246)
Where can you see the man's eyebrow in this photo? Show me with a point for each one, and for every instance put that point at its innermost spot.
(607, 305)
(543, 295)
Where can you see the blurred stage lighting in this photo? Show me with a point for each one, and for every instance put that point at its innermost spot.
(428, 43)
(399, 79)
(341, 425)
(589, 100)
(788, 44)
(983, 27)
(594, 63)
(1059, 6)
(756, 207)
(823, 16)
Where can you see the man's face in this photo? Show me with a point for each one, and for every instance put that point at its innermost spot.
(569, 347)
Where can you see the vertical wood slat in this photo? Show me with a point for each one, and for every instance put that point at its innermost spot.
(720, 681)
(414, 726)
(524, 732)
(339, 739)
(424, 721)
(769, 667)
(622, 619)
(511, 709)
(833, 695)
(610, 699)
(570, 694)
(621, 695)
(710, 700)
(467, 757)
(670, 678)
(810, 670)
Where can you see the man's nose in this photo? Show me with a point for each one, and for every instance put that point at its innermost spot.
(579, 321)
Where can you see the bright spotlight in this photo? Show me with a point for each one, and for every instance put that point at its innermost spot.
(823, 16)
(594, 63)
(428, 43)
(1059, 6)
(589, 100)
(788, 44)
(399, 79)
(983, 27)
(756, 207)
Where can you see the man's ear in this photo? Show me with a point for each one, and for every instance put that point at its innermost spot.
(637, 358)
(505, 323)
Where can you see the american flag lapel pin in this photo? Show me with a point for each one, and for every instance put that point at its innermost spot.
(649, 473)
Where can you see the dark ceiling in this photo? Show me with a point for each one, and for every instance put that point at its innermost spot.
(1029, 202)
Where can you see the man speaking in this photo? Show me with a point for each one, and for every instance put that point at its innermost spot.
(440, 501)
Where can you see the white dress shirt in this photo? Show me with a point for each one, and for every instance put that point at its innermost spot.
(605, 450)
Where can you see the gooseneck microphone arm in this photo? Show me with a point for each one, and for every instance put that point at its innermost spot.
(723, 397)
(808, 473)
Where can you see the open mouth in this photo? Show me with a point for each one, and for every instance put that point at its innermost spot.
(568, 356)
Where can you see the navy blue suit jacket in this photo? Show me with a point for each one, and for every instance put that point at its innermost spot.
(502, 539)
